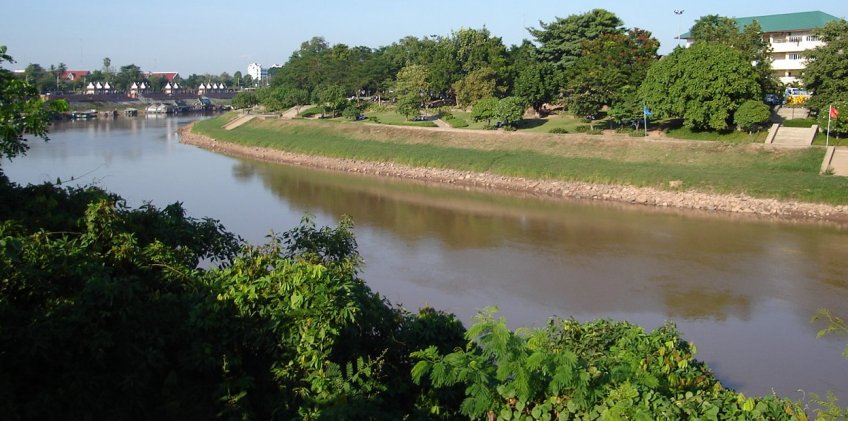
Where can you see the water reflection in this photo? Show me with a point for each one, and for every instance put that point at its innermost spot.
(594, 259)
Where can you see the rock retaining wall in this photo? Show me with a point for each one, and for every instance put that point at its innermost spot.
(675, 197)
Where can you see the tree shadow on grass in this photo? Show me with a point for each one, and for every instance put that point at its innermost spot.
(530, 123)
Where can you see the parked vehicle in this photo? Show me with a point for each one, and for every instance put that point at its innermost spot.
(772, 100)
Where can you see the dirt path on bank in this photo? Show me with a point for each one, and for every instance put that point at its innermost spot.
(642, 196)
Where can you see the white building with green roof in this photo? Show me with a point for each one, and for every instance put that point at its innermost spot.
(790, 35)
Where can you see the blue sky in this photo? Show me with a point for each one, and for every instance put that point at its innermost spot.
(215, 36)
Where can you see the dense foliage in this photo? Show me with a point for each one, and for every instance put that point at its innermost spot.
(106, 315)
(826, 74)
(752, 114)
(22, 111)
(599, 370)
(704, 85)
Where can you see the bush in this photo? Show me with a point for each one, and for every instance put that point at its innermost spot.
(751, 115)
(558, 130)
(595, 370)
(586, 129)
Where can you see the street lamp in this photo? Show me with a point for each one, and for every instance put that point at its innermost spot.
(678, 13)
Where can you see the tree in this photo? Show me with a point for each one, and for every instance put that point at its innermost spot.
(826, 75)
(510, 110)
(126, 76)
(479, 84)
(536, 84)
(704, 85)
(561, 41)
(608, 64)
(22, 112)
(106, 315)
(237, 78)
(839, 125)
(751, 113)
(628, 109)
(332, 98)
(749, 41)
(409, 105)
(715, 28)
(107, 66)
(245, 99)
(156, 83)
(484, 110)
(412, 80)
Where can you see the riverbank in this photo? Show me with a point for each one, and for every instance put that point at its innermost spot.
(675, 197)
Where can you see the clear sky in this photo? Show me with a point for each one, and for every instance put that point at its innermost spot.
(216, 36)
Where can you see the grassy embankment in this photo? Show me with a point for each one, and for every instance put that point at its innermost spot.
(713, 167)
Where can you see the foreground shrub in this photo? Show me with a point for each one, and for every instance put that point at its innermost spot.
(597, 370)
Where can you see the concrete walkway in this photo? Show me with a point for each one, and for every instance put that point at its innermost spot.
(441, 123)
(238, 121)
(294, 111)
(836, 161)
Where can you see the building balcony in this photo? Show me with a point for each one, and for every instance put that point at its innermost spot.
(793, 47)
(779, 65)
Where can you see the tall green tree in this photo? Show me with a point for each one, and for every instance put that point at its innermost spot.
(478, 84)
(608, 64)
(561, 41)
(536, 84)
(485, 110)
(510, 110)
(715, 28)
(413, 82)
(332, 98)
(750, 41)
(245, 99)
(704, 85)
(126, 76)
(826, 74)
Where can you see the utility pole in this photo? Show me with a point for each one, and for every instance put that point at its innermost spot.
(678, 13)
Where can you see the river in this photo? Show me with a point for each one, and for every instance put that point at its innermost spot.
(743, 290)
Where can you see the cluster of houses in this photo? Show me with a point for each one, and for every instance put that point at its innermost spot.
(140, 89)
(97, 88)
(211, 88)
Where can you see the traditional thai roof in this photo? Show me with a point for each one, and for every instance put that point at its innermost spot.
(168, 76)
(74, 74)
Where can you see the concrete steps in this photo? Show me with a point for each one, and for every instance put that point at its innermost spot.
(792, 137)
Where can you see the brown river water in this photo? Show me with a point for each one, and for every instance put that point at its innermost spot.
(742, 289)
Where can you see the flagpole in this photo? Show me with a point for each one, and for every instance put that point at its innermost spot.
(829, 116)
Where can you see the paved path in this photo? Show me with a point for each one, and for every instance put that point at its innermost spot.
(441, 123)
(238, 121)
(836, 161)
(294, 111)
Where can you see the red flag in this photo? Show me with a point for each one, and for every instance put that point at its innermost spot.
(834, 113)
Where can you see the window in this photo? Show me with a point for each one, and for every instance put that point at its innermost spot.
(794, 56)
(793, 39)
(812, 38)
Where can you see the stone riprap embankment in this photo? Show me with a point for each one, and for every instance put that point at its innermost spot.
(675, 198)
